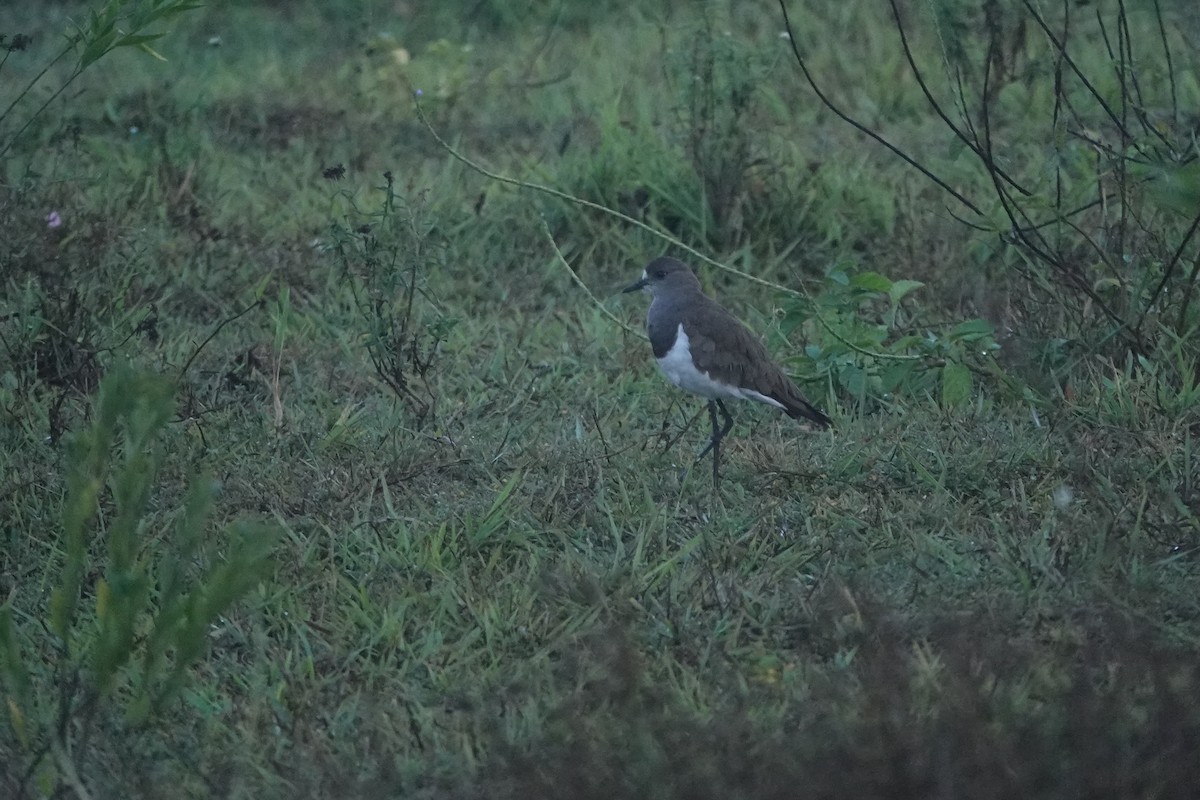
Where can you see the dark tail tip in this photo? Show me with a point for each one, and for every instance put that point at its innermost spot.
(803, 410)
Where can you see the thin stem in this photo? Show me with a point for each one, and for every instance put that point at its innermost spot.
(970, 141)
(1055, 119)
(1187, 295)
(1022, 229)
(1062, 49)
(35, 114)
(863, 128)
(1170, 270)
(36, 78)
(1162, 32)
(579, 282)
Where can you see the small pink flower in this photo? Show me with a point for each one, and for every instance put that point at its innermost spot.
(53, 220)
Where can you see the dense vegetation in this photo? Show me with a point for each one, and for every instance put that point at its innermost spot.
(331, 464)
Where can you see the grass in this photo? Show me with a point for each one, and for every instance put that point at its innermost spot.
(495, 574)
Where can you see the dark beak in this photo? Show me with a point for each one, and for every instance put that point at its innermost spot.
(633, 287)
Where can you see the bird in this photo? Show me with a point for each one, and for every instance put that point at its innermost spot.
(705, 350)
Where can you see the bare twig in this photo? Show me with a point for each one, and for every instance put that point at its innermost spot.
(1162, 33)
(1061, 47)
(579, 282)
(863, 128)
(53, 96)
(211, 336)
(1169, 271)
(971, 141)
(1187, 294)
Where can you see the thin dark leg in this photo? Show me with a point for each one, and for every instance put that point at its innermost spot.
(715, 443)
(718, 433)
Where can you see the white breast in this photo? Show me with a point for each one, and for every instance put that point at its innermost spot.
(677, 365)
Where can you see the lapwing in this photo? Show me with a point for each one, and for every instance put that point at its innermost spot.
(705, 350)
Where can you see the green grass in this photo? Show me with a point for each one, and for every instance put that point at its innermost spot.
(496, 575)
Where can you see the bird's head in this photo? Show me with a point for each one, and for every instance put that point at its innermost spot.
(665, 275)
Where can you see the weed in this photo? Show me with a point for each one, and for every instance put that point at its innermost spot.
(386, 255)
(129, 612)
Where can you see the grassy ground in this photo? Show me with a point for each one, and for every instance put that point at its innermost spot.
(495, 574)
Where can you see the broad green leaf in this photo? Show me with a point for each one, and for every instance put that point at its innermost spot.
(872, 282)
(902, 287)
(134, 40)
(791, 320)
(905, 342)
(897, 375)
(870, 336)
(854, 379)
(971, 329)
(956, 385)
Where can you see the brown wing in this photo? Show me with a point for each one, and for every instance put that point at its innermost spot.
(742, 360)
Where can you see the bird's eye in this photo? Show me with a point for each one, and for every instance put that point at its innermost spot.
(659, 275)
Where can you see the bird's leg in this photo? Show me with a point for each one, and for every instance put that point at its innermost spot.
(718, 433)
(715, 443)
(728, 419)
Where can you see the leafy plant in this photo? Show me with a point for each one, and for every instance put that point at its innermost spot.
(131, 607)
(120, 23)
(1101, 216)
(865, 344)
(722, 85)
(385, 255)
